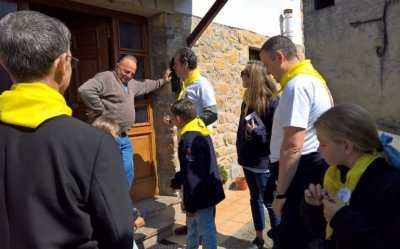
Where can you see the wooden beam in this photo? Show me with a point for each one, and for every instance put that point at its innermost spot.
(203, 24)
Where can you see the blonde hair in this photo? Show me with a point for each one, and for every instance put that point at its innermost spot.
(261, 85)
(107, 124)
(352, 123)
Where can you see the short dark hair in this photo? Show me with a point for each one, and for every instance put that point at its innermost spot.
(280, 43)
(185, 109)
(129, 57)
(30, 42)
(187, 55)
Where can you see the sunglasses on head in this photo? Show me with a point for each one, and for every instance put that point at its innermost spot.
(244, 72)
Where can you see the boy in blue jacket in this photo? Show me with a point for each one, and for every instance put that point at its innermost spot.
(199, 175)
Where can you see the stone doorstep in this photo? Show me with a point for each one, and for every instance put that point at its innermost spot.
(156, 229)
(166, 206)
(162, 213)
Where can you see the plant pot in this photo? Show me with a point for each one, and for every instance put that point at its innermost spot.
(241, 183)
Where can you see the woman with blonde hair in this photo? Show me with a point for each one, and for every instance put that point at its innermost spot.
(358, 205)
(253, 140)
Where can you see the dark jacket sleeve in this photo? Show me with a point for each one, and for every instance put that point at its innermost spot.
(354, 231)
(195, 168)
(313, 218)
(209, 115)
(264, 135)
(176, 182)
(141, 87)
(91, 92)
(111, 213)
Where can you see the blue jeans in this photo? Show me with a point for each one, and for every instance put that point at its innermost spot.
(257, 183)
(202, 224)
(126, 148)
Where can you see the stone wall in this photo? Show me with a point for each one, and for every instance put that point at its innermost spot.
(345, 54)
(222, 53)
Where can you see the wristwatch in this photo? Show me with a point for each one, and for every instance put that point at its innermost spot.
(278, 196)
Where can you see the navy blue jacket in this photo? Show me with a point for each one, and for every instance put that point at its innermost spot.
(255, 152)
(372, 220)
(202, 186)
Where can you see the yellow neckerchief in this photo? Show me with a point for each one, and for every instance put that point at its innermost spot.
(303, 67)
(195, 125)
(333, 183)
(195, 75)
(246, 101)
(29, 104)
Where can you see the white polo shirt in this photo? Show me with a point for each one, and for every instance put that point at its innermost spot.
(302, 101)
(201, 92)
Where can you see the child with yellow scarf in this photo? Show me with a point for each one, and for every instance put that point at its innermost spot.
(199, 174)
(358, 205)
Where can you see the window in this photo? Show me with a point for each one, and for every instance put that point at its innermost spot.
(130, 35)
(320, 4)
(254, 54)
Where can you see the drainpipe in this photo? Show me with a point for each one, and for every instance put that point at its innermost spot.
(287, 16)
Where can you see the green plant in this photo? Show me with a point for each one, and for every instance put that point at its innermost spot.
(223, 173)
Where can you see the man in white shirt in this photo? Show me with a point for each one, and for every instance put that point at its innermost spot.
(294, 157)
(196, 88)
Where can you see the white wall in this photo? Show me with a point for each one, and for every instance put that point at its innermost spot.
(259, 16)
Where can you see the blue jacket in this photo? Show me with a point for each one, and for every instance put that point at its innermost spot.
(254, 151)
(202, 186)
(372, 220)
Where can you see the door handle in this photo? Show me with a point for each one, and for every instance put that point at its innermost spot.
(74, 105)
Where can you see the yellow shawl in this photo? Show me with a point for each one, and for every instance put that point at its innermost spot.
(29, 104)
(333, 183)
(195, 125)
(188, 81)
(303, 67)
(246, 101)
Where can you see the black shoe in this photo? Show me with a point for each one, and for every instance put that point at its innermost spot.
(181, 230)
(257, 244)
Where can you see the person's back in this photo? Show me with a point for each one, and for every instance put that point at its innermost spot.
(55, 180)
(61, 181)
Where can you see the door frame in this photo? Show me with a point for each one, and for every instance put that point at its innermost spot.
(115, 50)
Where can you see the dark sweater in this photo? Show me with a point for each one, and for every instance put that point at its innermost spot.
(255, 152)
(106, 96)
(372, 220)
(202, 186)
(62, 185)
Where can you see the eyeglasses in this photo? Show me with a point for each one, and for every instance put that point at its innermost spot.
(244, 72)
(74, 61)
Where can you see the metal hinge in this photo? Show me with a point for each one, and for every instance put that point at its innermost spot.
(108, 30)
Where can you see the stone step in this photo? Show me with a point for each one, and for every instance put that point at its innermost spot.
(156, 229)
(161, 216)
(167, 206)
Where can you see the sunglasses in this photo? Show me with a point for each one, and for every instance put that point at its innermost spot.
(74, 61)
(243, 72)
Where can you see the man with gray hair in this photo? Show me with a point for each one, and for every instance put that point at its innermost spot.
(62, 183)
(112, 94)
(295, 162)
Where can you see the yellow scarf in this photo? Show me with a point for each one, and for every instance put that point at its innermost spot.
(333, 183)
(246, 101)
(303, 67)
(29, 104)
(195, 125)
(188, 81)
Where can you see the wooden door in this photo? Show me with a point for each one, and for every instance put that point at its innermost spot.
(90, 46)
(131, 36)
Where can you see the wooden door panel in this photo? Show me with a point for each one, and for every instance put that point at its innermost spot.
(145, 171)
(90, 46)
